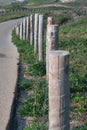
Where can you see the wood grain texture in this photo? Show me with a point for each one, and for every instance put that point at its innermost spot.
(36, 29)
(49, 22)
(21, 31)
(59, 93)
(31, 29)
(41, 38)
(51, 43)
(27, 28)
(24, 28)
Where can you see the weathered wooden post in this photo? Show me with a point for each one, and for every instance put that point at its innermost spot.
(24, 29)
(21, 31)
(36, 24)
(59, 93)
(49, 22)
(52, 43)
(41, 38)
(27, 28)
(31, 29)
(17, 29)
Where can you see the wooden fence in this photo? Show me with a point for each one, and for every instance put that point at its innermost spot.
(31, 28)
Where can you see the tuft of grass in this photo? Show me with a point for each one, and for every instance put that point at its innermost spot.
(63, 18)
(26, 84)
(37, 69)
(33, 106)
(40, 1)
(36, 126)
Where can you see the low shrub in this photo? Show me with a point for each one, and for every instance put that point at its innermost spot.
(33, 106)
(37, 69)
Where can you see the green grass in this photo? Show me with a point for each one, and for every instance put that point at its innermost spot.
(33, 106)
(6, 2)
(38, 68)
(26, 84)
(13, 15)
(40, 1)
(74, 39)
(36, 126)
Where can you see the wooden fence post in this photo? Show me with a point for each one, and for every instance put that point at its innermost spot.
(36, 24)
(59, 93)
(24, 29)
(21, 31)
(17, 29)
(52, 43)
(49, 21)
(31, 30)
(41, 38)
(27, 28)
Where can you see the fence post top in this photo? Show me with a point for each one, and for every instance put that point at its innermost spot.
(53, 25)
(50, 17)
(40, 15)
(31, 15)
(36, 14)
(59, 53)
(50, 20)
(27, 17)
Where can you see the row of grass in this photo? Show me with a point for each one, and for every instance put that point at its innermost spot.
(36, 85)
(10, 16)
(73, 37)
(40, 1)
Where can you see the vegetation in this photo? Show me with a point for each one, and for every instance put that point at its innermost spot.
(35, 84)
(35, 126)
(72, 37)
(33, 106)
(11, 16)
(39, 1)
(5, 2)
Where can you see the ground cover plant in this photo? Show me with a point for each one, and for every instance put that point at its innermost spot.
(72, 37)
(40, 1)
(33, 82)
